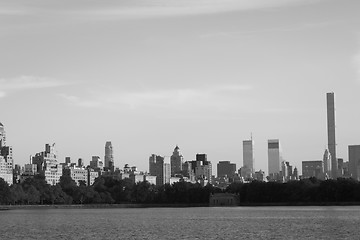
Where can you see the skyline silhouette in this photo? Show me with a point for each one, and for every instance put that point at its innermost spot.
(202, 74)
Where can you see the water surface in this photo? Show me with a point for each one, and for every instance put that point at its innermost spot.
(183, 223)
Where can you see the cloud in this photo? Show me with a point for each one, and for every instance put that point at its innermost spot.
(10, 85)
(141, 8)
(160, 98)
(81, 102)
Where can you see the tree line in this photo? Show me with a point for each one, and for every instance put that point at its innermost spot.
(107, 190)
(306, 191)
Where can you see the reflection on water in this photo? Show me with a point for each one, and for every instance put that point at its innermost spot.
(183, 223)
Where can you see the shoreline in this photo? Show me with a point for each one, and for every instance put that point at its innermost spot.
(299, 204)
(135, 205)
(99, 206)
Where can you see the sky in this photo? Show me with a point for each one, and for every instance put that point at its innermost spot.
(204, 75)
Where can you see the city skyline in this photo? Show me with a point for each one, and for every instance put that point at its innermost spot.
(200, 74)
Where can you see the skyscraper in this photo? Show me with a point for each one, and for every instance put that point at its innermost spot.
(330, 100)
(248, 157)
(109, 158)
(354, 161)
(274, 156)
(176, 161)
(160, 169)
(327, 163)
(47, 164)
(2, 136)
(202, 168)
(6, 158)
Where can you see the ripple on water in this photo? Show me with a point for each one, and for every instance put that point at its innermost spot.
(183, 223)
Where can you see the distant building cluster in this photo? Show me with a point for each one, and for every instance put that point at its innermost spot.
(199, 170)
(170, 169)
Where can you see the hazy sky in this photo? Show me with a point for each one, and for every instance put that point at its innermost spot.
(203, 74)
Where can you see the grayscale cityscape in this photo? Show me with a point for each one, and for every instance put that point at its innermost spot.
(199, 170)
(179, 119)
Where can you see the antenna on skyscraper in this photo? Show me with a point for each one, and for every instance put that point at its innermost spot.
(251, 137)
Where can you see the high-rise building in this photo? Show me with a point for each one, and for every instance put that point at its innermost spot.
(274, 157)
(313, 169)
(160, 169)
(202, 168)
(225, 168)
(248, 158)
(259, 176)
(188, 171)
(96, 163)
(340, 170)
(2, 135)
(286, 171)
(327, 163)
(295, 174)
(80, 162)
(47, 164)
(6, 158)
(176, 161)
(354, 161)
(81, 174)
(68, 160)
(330, 101)
(109, 158)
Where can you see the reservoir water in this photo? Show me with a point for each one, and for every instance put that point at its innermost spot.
(183, 223)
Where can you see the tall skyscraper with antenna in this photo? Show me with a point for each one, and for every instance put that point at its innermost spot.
(330, 101)
(248, 158)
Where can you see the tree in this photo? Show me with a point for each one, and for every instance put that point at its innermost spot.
(58, 196)
(32, 195)
(18, 196)
(68, 185)
(5, 194)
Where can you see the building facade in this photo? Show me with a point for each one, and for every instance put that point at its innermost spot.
(81, 174)
(223, 199)
(109, 156)
(160, 169)
(202, 168)
(47, 164)
(354, 161)
(97, 164)
(150, 179)
(286, 171)
(188, 171)
(6, 158)
(274, 157)
(176, 161)
(259, 176)
(330, 101)
(313, 169)
(327, 163)
(225, 168)
(248, 158)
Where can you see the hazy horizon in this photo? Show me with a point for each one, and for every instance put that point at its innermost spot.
(203, 75)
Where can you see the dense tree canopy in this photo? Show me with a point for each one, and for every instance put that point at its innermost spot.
(307, 191)
(112, 191)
